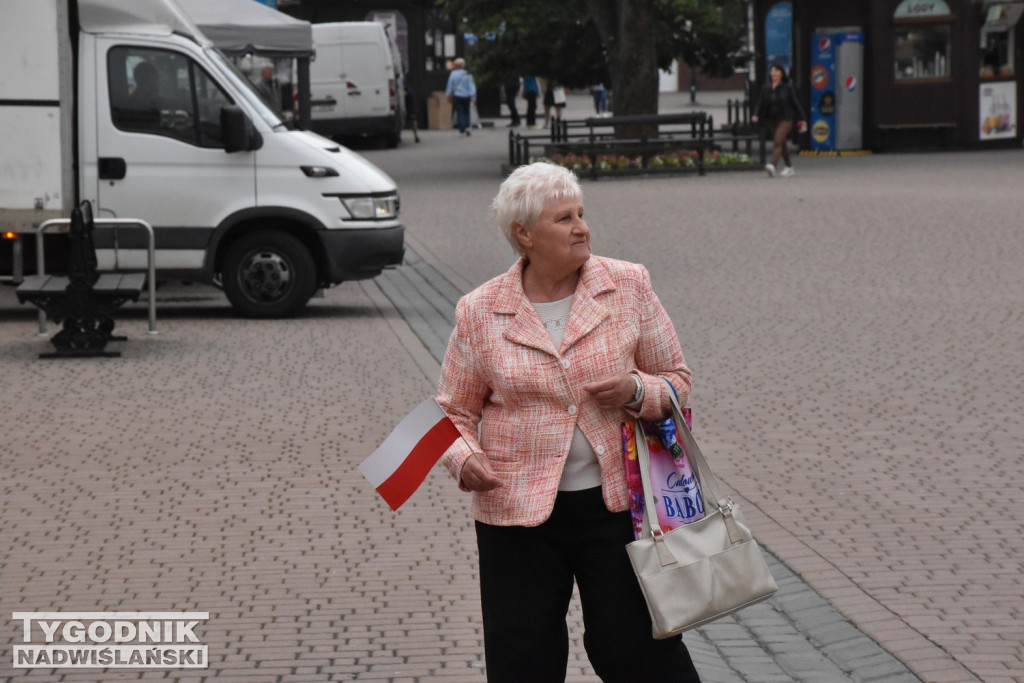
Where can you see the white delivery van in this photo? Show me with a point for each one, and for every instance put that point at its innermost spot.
(128, 105)
(356, 82)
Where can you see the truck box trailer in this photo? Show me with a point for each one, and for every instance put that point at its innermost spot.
(126, 103)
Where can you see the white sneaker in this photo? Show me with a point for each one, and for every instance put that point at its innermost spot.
(770, 170)
(786, 172)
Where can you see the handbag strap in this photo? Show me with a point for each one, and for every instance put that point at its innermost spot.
(701, 469)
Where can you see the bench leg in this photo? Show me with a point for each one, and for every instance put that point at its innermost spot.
(80, 354)
(82, 337)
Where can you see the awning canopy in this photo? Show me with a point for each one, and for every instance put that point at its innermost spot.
(239, 27)
(143, 16)
(1003, 15)
(236, 27)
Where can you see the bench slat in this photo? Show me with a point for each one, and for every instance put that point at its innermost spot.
(111, 283)
(55, 283)
(911, 126)
(133, 281)
(108, 283)
(34, 283)
(646, 119)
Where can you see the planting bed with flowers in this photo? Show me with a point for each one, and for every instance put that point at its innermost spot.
(681, 160)
(670, 143)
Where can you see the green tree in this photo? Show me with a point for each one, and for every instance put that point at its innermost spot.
(622, 43)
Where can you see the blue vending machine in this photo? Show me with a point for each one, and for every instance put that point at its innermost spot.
(837, 70)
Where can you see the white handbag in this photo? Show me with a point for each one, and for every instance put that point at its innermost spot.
(702, 571)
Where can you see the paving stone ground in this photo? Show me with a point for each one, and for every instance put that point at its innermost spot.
(856, 335)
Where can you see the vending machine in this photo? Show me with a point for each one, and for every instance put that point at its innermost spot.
(837, 103)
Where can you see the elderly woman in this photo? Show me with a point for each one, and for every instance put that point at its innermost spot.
(544, 365)
(461, 91)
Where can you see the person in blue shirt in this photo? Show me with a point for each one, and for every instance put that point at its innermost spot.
(461, 93)
(531, 91)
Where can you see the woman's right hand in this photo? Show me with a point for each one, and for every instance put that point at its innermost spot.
(477, 474)
(753, 119)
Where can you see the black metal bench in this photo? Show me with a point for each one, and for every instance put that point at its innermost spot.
(658, 134)
(944, 128)
(83, 301)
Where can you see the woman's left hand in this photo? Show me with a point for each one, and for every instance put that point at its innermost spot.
(612, 391)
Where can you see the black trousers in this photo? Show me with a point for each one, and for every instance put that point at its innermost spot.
(526, 584)
(531, 108)
(511, 90)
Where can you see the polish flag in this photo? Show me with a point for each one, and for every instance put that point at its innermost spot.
(398, 467)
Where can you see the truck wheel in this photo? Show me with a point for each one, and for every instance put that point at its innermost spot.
(269, 274)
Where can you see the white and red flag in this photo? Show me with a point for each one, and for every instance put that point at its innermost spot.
(400, 464)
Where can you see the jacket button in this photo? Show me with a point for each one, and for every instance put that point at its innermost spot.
(572, 409)
(600, 450)
(565, 363)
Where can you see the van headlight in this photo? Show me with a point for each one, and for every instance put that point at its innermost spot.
(371, 208)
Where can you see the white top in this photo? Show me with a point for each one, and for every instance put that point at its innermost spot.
(581, 470)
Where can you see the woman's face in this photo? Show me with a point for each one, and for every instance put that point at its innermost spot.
(776, 74)
(560, 237)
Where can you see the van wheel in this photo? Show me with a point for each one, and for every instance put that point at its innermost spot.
(391, 140)
(269, 274)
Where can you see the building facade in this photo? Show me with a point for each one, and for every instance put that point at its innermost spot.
(934, 73)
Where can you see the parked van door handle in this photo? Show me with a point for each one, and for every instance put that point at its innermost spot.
(112, 168)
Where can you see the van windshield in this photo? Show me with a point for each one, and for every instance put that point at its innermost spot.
(248, 90)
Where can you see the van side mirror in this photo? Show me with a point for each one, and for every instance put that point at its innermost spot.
(237, 130)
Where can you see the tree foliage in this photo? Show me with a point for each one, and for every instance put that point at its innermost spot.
(621, 43)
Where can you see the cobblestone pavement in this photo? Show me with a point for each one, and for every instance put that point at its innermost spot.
(856, 335)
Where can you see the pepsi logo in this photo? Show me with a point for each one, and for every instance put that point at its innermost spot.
(851, 83)
(819, 77)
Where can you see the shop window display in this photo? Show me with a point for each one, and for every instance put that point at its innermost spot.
(997, 54)
(922, 51)
(997, 40)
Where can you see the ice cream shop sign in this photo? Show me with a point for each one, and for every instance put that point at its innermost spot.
(915, 9)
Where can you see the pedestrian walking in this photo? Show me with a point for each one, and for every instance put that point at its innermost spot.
(545, 364)
(600, 95)
(265, 86)
(461, 91)
(778, 109)
(511, 89)
(548, 100)
(531, 91)
(559, 100)
(411, 110)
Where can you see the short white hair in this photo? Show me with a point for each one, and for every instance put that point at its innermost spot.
(524, 194)
(459, 62)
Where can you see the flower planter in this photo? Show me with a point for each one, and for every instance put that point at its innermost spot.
(681, 162)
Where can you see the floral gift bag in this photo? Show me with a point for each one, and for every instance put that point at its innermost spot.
(677, 493)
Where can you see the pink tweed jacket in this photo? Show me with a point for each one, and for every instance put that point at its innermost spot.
(518, 399)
